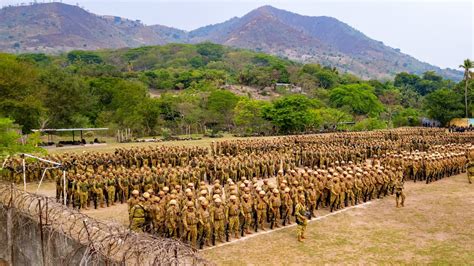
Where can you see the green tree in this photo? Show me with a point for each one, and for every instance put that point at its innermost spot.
(212, 51)
(248, 116)
(330, 117)
(87, 57)
(21, 93)
(370, 124)
(291, 113)
(406, 117)
(10, 142)
(68, 99)
(220, 106)
(467, 76)
(360, 98)
(443, 105)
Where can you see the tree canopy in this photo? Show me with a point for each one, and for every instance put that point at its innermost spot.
(184, 88)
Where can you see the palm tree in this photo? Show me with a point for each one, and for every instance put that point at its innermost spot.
(468, 64)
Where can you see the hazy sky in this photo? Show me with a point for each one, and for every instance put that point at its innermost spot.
(437, 32)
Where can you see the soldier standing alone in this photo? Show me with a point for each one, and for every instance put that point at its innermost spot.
(301, 219)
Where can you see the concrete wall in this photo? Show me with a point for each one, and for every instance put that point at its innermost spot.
(26, 246)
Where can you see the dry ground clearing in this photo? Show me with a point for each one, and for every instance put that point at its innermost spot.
(435, 227)
(111, 144)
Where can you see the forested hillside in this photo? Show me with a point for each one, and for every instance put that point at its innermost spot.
(110, 88)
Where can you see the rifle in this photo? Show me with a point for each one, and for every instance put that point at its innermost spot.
(272, 222)
(201, 240)
(242, 227)
(227, 232)
(256, 221)
(213, 238)
(285, 213)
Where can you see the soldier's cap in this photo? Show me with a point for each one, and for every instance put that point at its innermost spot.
(190, 204)
(150, 191)
(216, 196)
(275, 191)
(246, 196)
(172, 202)
(261, 192)
(166, 189)
(188, 190)
(135, 192)
(217, 200)
(287, 189)
(146, 195)
(203, 192)
(233, 197)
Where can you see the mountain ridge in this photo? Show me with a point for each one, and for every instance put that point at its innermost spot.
(56, 27)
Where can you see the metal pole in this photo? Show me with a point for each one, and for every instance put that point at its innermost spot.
(5, 161)
(41, 231)
(24, 175)
(64, 187)
(41, 180)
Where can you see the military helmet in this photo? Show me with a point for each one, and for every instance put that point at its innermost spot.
(135, 192)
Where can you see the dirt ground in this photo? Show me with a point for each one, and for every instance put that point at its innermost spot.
(111, 145)
(434, 227)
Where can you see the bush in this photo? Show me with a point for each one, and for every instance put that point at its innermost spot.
(370, 124)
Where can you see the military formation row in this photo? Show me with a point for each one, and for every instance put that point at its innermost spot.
(308, 150)
(206, 215)
(375, 142)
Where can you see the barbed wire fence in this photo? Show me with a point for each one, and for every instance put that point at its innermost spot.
(97, 242)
